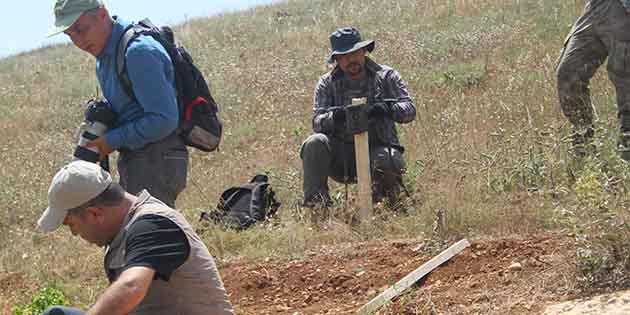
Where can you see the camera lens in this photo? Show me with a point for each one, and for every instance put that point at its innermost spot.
(98, 118)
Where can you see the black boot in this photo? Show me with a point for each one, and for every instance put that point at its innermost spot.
(623, 143)
(386, 188)
(581, 140)
(320, 200)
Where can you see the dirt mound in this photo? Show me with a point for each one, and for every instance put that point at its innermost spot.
(491, 277)
(12, 286)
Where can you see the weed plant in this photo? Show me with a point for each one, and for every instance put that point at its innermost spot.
(44, 298)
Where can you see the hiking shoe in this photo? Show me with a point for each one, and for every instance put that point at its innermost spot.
(390, 194)
(317, 202)
(623, 145)
(581, 140)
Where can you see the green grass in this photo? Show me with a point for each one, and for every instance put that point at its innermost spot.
(489, 145)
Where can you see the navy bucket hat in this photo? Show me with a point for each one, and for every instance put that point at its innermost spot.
(346, 40)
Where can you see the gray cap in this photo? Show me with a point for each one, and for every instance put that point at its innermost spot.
(74, 185)
(68, 11)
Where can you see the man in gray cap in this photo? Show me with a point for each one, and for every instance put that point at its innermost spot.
(155, 262)
(330, 151)
(603, 31)
(152, 154)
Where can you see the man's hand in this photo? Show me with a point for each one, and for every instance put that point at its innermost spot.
(339, 118)
(102, 146)
(379, 110)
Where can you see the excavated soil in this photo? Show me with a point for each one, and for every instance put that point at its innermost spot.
(491, 277)
(12, 286)
(509, 276)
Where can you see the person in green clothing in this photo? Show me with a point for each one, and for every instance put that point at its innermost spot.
(603, 31)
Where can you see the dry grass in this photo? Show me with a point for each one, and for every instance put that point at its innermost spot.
(487, 148)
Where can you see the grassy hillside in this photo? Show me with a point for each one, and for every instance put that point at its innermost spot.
(488, 148)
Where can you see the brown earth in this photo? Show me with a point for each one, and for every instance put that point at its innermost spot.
(477, 281)
(12, 286)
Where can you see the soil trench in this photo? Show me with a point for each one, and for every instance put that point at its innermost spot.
(490, 277)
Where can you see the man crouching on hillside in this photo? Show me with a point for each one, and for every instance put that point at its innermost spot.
(330, 151)
(156, 264)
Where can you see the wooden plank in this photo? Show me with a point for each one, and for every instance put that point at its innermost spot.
(412, 278)
(364, 176)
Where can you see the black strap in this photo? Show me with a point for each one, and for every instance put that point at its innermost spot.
(130, 33)
(105, 163)
(259, 178)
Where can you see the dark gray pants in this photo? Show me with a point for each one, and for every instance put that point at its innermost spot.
(62, 310)
(324, 157)
(160, 167)
(603, 31)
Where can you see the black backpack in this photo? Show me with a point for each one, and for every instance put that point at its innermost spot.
(199, 126)
(242, 206)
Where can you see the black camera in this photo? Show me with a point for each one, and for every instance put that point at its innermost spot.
(98, 118)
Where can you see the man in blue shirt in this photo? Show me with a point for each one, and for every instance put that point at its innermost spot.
(152, 155)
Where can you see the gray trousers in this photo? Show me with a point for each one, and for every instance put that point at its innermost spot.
(603, 31)
(324, 157)
(160, 167)
(62, 310)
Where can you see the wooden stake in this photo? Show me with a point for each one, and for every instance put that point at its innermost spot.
(364, 178)
(412, 278)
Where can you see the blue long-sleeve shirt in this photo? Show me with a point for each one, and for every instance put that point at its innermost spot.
(154, 114)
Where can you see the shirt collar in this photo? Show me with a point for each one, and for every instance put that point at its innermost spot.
(371, 66)
(118, 27)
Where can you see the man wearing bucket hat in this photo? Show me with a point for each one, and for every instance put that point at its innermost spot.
(330, 151)
(152, 155)
(603, 31)
(155, 262)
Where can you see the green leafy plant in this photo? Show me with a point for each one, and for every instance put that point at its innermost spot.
(588, 187)
(599, 222)
(44, 298)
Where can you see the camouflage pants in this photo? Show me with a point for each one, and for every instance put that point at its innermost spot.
(324, 157)
(603, 31)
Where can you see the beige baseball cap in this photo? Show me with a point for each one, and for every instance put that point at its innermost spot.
(68, 11)
(75, 184)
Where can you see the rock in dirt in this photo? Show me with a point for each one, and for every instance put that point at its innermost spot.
(515, 267)
(608, 304)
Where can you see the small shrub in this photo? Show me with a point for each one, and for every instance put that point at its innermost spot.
(43, 299)
(589, 185)
(599, 224)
